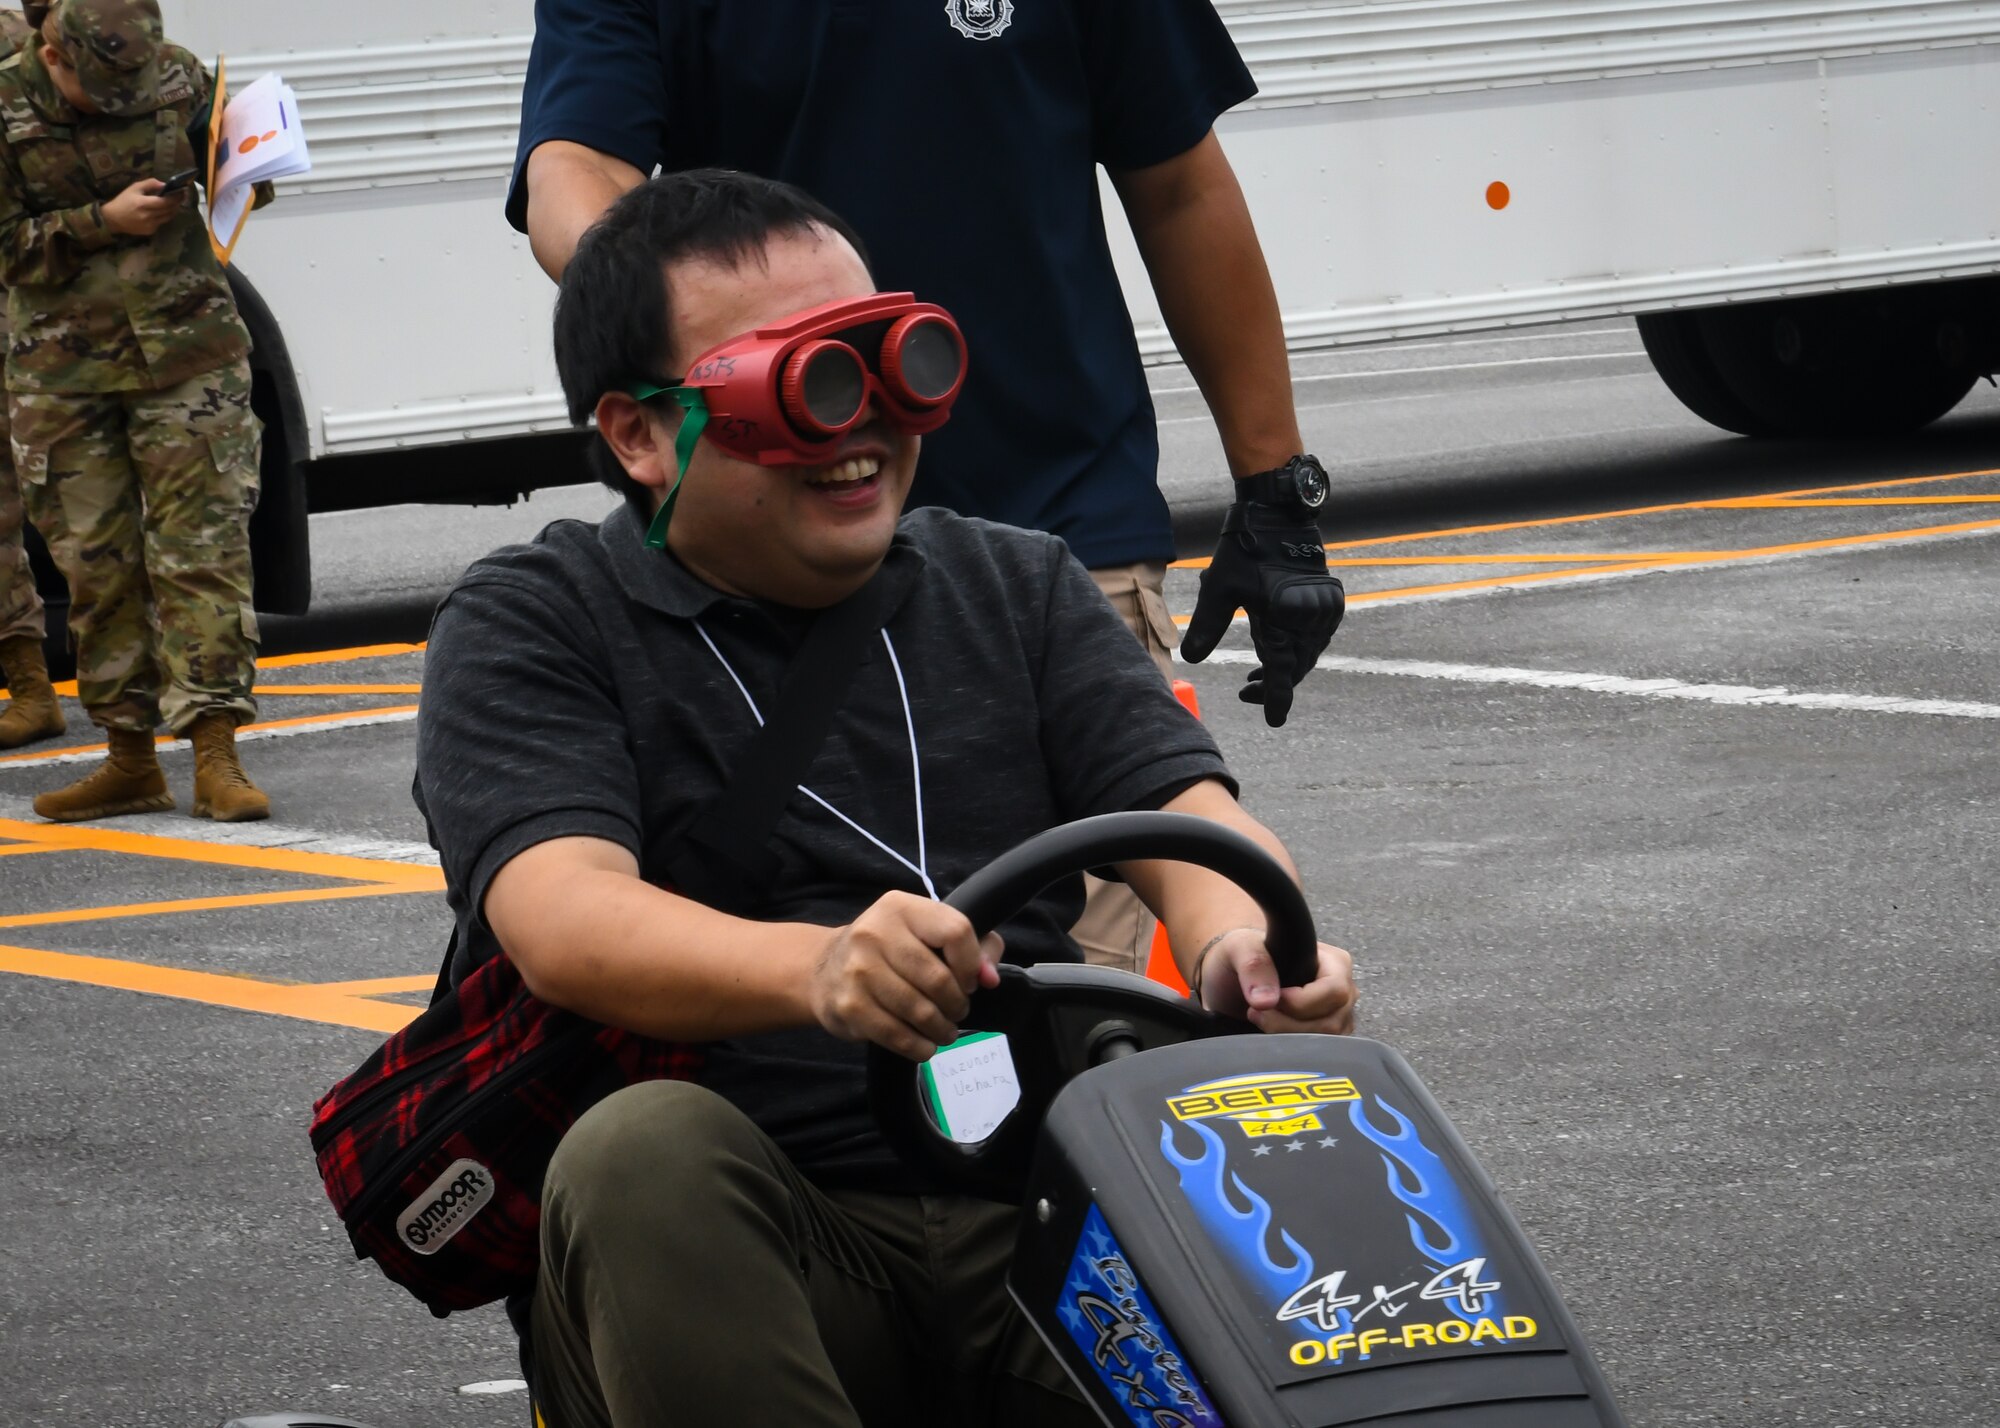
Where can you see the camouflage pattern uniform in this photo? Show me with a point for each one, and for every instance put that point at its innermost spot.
(128, 375)
(20, 606)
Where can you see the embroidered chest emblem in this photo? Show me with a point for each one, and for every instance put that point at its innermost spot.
(979, 19)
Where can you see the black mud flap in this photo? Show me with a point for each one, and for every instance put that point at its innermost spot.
(1274, 1231)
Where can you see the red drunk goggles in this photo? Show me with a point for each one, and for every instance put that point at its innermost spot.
(784, 394)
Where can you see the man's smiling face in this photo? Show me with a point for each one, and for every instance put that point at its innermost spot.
(800, 535)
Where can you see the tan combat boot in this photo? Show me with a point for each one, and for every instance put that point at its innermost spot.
(128, 781)
(33, 714)
(222, 790)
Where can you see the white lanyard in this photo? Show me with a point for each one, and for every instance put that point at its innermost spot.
(922, 866)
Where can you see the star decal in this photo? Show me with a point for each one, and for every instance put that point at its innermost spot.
(1329, 1141)
(1261, 1150)
(1295, 1145)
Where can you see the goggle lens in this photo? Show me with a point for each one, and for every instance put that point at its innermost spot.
(922, 360)
(825, 386)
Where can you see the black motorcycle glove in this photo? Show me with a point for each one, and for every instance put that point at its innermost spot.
(1273, 569)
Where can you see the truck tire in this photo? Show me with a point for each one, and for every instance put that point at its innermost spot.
(1849, 365)
(1673, 341)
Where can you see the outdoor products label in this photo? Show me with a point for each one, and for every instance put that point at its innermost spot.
(446, 1206)
(1108, 1313)
(1348, 1239)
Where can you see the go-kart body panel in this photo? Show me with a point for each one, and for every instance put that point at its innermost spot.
(1285, 1230)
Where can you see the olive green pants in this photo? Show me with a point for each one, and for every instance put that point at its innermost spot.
(691, 1277)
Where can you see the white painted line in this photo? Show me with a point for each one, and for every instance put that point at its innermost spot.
(243, 736)
(1733, 694)
(496, 1385)
(268, 834)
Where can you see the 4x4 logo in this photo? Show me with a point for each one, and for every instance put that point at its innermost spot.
(1322, 1302)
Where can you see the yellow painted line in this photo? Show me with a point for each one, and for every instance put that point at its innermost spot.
(1495, 582)
(1656, 562)
(413, 877)
(1360, 561)
(168, 741)
(203, 904)
(294, 661)
(338, 689)
(378, 986)
(1784, 503)
(1547, 522)
(1669, 562)
(18, 849)
(210, 988)
(309, 659)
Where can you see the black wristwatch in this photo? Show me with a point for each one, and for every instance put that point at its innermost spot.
(1299, 486)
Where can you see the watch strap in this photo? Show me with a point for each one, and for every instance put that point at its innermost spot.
(1264, 516)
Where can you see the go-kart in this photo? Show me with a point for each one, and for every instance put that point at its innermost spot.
(1275, 1231)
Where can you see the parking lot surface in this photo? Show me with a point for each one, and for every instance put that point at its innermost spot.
(1662, 831)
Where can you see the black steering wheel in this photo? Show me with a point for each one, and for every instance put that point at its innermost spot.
(1061, 1019)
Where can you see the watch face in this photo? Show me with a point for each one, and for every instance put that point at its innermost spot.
(1310, 478)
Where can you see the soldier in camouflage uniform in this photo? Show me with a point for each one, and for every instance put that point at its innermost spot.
(33, 712)
(129, 387)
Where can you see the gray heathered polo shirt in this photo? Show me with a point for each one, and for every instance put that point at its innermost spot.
(568, 691)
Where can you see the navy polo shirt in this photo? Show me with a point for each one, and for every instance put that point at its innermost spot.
(960, 140)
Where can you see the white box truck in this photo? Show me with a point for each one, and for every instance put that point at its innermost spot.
(1798, 201)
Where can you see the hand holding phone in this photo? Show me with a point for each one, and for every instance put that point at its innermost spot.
(179, 181)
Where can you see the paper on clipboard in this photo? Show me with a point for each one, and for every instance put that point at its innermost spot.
(258, 136)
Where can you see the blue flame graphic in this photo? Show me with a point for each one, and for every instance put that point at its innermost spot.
(1245, 1234)
(1451, 1235)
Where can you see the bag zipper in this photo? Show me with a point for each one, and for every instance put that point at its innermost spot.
(383, 1090)
(391, 1176)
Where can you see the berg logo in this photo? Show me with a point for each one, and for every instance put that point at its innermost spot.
(1273, 1103)
(446, 1206)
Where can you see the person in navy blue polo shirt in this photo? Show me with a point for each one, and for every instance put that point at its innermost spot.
(962, 140)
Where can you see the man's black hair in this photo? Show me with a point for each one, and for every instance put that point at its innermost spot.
(612, 323)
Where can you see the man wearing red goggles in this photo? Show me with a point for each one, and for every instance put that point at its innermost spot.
(787, 392)
(744, 1246)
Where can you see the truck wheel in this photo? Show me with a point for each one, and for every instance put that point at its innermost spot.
(1674, 342)
(1854, 365)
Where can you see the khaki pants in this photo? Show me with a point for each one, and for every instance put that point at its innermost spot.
(1115, 929)
(690, 1276)
(144, 499)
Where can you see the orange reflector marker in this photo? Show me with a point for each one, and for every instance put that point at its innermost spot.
(1498, 196)
(1160, 965)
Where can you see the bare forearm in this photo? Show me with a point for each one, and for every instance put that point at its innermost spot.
(1195, 904)
(1201, 250)
(569, 187)
(600, 942)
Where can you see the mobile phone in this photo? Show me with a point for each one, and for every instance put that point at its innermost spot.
(179, 181)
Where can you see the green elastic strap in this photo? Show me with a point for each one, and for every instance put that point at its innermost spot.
(692, 426)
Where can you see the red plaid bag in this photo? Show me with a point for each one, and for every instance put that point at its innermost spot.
(434, 1150)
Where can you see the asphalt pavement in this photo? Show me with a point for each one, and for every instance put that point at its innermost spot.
(1651, 781)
